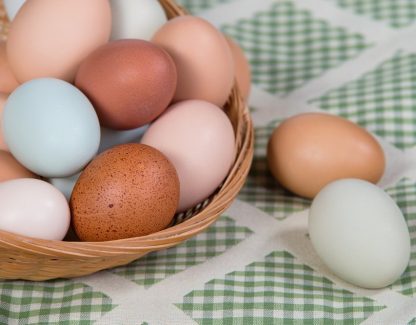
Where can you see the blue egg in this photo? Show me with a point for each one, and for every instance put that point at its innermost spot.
(111, 138)
(65, 184)
(51, 127)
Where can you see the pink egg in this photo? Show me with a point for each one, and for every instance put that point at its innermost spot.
(8, 82)
(198, 138)
(50, 38)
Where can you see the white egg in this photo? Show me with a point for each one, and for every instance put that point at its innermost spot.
(33, 208)
(12, 7)
(138, 19)
(359, 233)
(65, 184)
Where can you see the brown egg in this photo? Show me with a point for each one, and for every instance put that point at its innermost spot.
(203, 59)
(308, 151)
(3, 145)
(130, 82)
(10, 168)
(242, 68)
(8, 82)
(127, 191)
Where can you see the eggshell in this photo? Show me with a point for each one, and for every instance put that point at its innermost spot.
(360, 233)
(138, 19)
(33, 208)
(128, 191)
(12, 7)
(51, 127)
(65, 184)
(198, 138)
(203, 59)
(8, 82)
(10, 168)
(50, 38)
(242, 68)
(308, 151)
(3, 145)
(111, 138)
(130, 82)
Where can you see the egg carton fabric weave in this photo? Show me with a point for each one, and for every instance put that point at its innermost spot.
(255, 265)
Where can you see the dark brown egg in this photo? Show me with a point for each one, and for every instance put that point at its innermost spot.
(128, 191)
(130, 82)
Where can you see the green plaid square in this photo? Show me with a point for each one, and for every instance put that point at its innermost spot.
(261, 189)
(156, 266)
(404, 193)
(276, 290)
(383, 100)
(287, 46)
(195, 6)
(52, 302)
(396, 13)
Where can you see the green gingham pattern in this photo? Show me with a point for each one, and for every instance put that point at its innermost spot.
(396, 13)
(261, 189)
(277, 290)
(159, 265)
(287, 46)
(195, 6)
(383, 100)
(53, 302)
(255, 264)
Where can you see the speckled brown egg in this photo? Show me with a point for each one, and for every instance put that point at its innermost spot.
(127, 191)
(129, 82)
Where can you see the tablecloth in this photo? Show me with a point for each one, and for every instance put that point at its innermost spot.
(256, 265)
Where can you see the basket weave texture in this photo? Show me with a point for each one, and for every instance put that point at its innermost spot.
(34, 259)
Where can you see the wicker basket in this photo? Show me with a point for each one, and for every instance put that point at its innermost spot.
(32, 259)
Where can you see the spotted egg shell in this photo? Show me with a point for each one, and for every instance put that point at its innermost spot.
(127, 191)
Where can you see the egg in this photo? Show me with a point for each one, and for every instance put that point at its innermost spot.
(10, 168)
(203, 59)
(359, 233)
(3, 145)
(51, 127)
(128, 191)
(130, 83)
(111, 138)
(50, 38)
(8, 81)
(242, 68)
(310, 150)
(33, 208)
(65, 184)
(12, 7)
(137, 19)
(198, 138)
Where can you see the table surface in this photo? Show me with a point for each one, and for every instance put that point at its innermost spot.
(353, 58)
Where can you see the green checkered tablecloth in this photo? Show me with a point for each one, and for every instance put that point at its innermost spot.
(353, 58)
